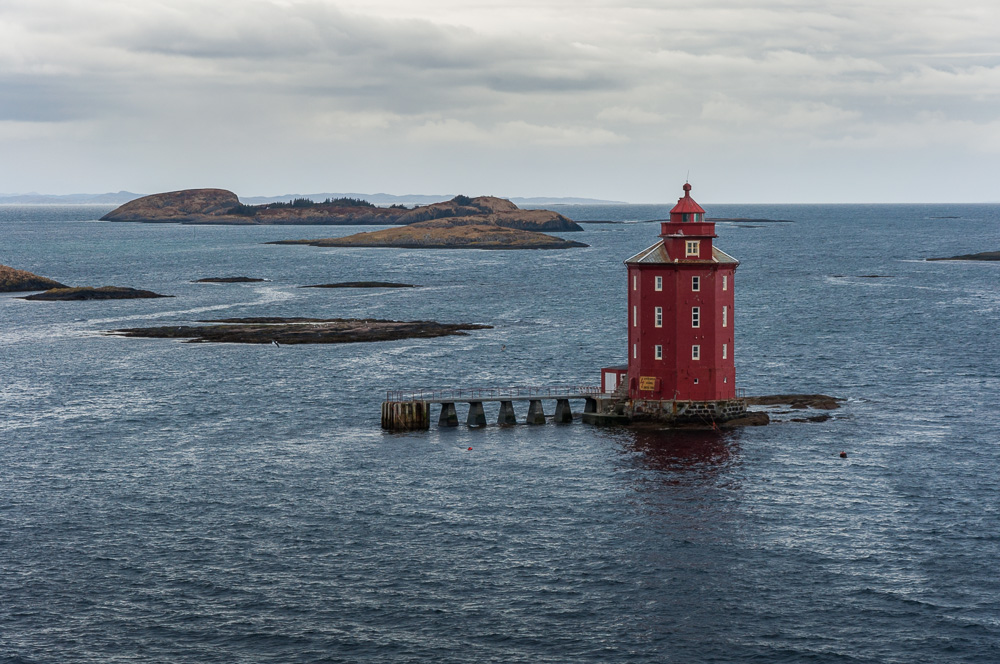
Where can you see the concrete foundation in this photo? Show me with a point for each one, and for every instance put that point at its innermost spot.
(666, 412)
(406, 415)
(449, 417)
(477, 417)
(564, 415)
(507, 415)
(536, 415)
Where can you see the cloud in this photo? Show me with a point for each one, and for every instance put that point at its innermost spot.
(624, 79)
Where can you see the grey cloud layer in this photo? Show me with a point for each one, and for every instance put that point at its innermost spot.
(545, 73)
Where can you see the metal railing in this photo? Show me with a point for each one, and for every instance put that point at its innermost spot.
(495, 393)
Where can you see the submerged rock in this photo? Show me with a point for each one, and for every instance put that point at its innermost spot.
(13, 280)
(981, 256)
(227, 280)
(274, 330)
(88, 293)
(362, 284)
(797, 401)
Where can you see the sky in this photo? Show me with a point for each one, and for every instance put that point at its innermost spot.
(756, 101)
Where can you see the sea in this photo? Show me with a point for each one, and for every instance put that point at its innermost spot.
(163, 501)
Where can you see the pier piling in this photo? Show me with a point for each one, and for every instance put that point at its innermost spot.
(507, 415)
(477, 417)
(564, 414)
(536, 415)
(449, 417)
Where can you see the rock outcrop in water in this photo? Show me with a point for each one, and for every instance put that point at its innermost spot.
(982, 256)
(220, 206)
(300, 330)
(15, 281)
(89, 293)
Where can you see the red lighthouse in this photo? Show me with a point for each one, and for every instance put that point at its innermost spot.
(680, 323)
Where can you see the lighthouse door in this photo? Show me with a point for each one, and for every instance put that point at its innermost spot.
(610, 382)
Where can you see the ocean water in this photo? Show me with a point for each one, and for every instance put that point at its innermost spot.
(172, 502)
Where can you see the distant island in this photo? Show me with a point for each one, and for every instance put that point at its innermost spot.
(121, 197)
(457, 233)
(982, 256)
(220, 206)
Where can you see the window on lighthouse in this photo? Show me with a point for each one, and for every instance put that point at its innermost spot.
(635, 315)
(725, 349)
(695, 316)
(695, 352)
(695, 284)
(725, 282)
(659, 317)
(659, 352)
(725, 315)
(691, 248)
(659, 283)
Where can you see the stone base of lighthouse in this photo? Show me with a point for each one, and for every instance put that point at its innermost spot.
(667, 412)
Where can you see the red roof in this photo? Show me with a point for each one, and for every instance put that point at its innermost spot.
(686, 205)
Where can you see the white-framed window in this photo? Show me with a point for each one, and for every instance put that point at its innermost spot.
(725, 351)
(635, 282)
(695, 381)
(635, 315)
(725, 282)
(659, 283)
(725, 379)
(695, 284)
(658, 351)
(698, 216)
(696, 352)
(659, 316)
(725, 315)
(635, 353)
(695, 316)
(691, 248)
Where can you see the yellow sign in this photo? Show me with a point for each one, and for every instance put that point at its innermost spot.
(647, 383)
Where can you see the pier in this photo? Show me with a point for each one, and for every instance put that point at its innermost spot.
(408, 410)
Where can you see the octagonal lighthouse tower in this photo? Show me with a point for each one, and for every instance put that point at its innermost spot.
(680, 323)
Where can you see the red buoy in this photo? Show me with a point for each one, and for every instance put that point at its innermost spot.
(843, 455)
(470, 449)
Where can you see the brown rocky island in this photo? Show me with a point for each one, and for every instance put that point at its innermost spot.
(300, 330)
(457, 233)
(16, 281)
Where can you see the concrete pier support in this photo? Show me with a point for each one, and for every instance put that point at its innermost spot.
(564, 415)
(449, 418)
(590, 406)
(405, 415)
(477, 417)
(506, 415)
(536, 415)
